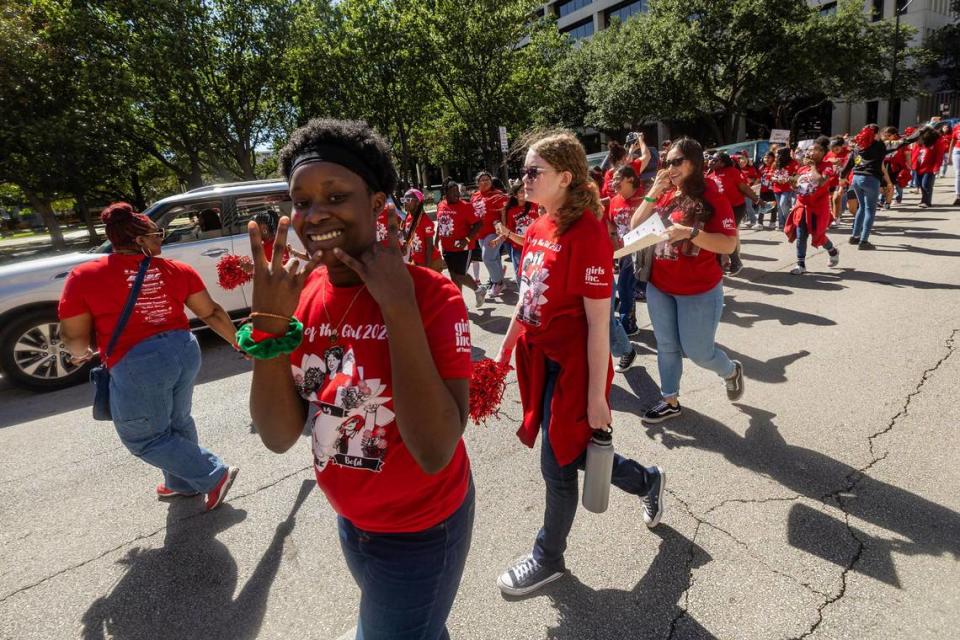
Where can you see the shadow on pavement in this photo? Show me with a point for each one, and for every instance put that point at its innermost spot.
(772, 371)
(917, 526)
(18, 406)
(652, 609)
(185, 589)
(910, 248)
(747, 313)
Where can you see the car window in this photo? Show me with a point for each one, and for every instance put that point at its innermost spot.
(193, 222)
(263, 208)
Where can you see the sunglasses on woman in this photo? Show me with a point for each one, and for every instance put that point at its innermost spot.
(676, 162)
(159, 233)
(532, 173)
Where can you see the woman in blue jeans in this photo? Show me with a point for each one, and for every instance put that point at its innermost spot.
(156, 358)
(685, 292)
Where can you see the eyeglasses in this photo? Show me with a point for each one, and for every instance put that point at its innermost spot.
(160, 233)
(676, 162)
(532, 173)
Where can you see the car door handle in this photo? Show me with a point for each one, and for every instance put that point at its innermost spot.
(214, 252)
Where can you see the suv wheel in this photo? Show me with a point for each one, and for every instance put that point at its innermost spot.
(33, 356)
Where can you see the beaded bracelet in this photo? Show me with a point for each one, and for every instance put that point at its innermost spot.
(272, 347)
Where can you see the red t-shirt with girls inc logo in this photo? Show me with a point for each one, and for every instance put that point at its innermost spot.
(621, 211)
(360, 460)
(101, 288)
(813, 196)
(557, 272)
(488, 208)
(453, 224)
(520, 217)
(729, 179)
(682, 268)
(418, 242)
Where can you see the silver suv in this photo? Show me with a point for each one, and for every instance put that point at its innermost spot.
(201, 226)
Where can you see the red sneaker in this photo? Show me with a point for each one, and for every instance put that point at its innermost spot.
(164, 492)
(219, 492)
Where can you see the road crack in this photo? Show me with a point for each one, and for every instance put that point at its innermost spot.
(854, 478)
(144, 536)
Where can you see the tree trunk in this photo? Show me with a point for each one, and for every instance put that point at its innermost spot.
(247, 165)
(139, 202)
(85, 216)
(196, 173)
(42, 205)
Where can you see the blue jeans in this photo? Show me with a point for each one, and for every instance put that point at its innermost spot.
(515, 255)
(956, 171)
(926, 188)
(686, 325)
(867, 189)
(803, 234)
(491, 258)
(750, 212)
(625, 292)
(408, 581)
(151, 393)
(563, 491)
(619, 341)
(784, 205)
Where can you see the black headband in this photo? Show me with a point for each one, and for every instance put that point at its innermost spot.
(338, 155)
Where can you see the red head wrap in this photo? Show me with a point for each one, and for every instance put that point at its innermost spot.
(866, 137)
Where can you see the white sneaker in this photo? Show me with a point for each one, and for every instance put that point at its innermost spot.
(798, 270)
(481, 293)
(757, 227)
(835, 258)
(496, 290)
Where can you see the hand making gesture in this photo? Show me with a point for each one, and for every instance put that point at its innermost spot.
(383, 271)
(276, 287)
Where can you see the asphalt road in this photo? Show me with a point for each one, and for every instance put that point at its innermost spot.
(823, 505)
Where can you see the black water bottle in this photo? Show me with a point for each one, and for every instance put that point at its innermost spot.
(597, 471)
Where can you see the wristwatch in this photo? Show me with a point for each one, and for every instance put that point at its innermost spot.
(694, 232)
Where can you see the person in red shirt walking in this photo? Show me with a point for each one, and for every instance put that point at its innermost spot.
(490, 205)
(954, 154)
(931, 149)
(520, 215)
(418, 232)
(375, 354)
(785, 167)
(735, 189)
(685, 292)
(154, 360)
(561, 324)
(810, 217)
(457, 226)
(767, 196)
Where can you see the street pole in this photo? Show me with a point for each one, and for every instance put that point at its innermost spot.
(897, 12)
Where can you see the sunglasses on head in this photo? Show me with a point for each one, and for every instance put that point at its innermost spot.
(676, 162)
(532, 172)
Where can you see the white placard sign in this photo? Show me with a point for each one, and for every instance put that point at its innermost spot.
(780, 136)
(643, 236)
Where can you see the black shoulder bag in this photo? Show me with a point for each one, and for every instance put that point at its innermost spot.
(100, 376)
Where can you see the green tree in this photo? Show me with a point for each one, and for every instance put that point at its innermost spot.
(944, 61)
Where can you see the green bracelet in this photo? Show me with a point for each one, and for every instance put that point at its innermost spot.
(272, 347)
(649, 199)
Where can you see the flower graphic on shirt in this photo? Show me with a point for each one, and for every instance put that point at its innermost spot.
(381, 231)
(523, 223)
(806, 185)
(480, 207)
(533, 286)
(416, 244)
(445, 225)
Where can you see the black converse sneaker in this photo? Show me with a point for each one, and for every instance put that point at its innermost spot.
(653, 501)
(626, 360)
(735, 382)
(526, 576)
(663, 410)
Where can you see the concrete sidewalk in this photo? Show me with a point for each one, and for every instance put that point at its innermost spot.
(822, 505)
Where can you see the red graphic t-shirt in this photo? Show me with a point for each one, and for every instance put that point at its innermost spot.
(838, 161)
(621, 211)
(425, 231)
(488, 208)
(781, 177)
(766, 178)
(557, 272)
(749, 173)
(813, 196)
(519, 221)
(101, 288)
(728, 179)
(360, 460)
(684, 269)
(453, 224)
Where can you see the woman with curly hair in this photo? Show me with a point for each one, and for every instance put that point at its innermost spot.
(685, 292)
(561, 321)
(326, 339)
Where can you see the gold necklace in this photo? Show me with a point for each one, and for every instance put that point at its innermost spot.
(335, 332)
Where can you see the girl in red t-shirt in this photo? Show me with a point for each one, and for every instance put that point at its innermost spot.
(685, 292)
(560, 323)
(785, 168)
(810, 217)
(930, 151)
(490, 205)
(154, 360)
(520, 215)
(418, 232)
(457, 226)
(767, 196)
(381, 372)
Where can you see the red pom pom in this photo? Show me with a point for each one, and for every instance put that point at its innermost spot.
(233, 271)
(487, 383)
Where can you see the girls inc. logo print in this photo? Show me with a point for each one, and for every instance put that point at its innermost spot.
(351, 416)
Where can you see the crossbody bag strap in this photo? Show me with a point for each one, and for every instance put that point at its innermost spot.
(413, 230)
(128, 309)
